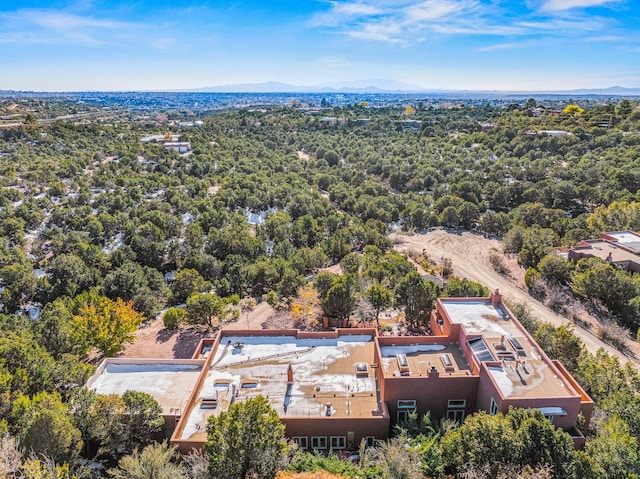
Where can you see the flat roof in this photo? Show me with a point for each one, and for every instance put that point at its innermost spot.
(170, 382)
(628, 239)
(324, 371)
(422, 357)
(480, 317)
(515, 362)
(602, 249)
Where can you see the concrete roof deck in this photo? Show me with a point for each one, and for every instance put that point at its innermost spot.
(522, 372)
(421, 357)
(170, 382)
(323, 372)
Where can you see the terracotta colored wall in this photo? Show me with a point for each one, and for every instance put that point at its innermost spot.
(431, 393)
(334, 426)
(570, 404)
(586, 403)
(487, 389)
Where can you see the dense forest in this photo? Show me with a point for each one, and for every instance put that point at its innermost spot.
(101, 231)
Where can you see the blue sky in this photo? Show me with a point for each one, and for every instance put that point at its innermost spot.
(445, 44)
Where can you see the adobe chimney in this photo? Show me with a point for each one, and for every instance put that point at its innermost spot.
(290, 375)
(496, 297)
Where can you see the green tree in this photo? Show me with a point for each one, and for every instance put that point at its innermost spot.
(172, 317)
(555, 269)
(156, 461)
(350, 264)
(45, 427)
(379, 297)
(246, 441)
(417, 296)
(102, 415)
(142, 417)
(203, 308)
(560, 343)
(536, 244)
(187, 282)
(70, 276)
(464, 288)
(341, 297)
(522, 437)
(468, 214)
(614, 288)
(614, 451)
(54, 328)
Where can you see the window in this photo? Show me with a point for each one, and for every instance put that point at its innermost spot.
(455, 414)
(550, 419)
(338, 442)
(370, 441)
(319, 442)
(493, 408)
(301, 441)
(455, 409)
(405, 407)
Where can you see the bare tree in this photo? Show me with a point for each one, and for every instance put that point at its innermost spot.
(10, 456)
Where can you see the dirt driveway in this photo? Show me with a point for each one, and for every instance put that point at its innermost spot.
(469, 253)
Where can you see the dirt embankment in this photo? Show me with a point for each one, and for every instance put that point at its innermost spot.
(469, 253)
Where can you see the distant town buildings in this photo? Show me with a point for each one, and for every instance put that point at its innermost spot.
(169, 142)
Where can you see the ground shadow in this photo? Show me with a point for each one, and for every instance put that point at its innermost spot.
(187, 342)
(165, 335)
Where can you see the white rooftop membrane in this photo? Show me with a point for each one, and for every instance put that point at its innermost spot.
(264, 361)
(477, 317)
(503, 381)
(170, 384)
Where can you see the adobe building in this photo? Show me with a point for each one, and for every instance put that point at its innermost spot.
(621, 248)
(334, 389)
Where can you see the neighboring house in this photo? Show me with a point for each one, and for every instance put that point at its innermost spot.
(621, 248)
(334, 389)
(179, 146)
(627, 240)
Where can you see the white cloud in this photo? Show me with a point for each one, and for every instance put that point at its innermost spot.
(499, 46)
(409, 22)
(560, 5)
(47, 26)
(430, 10)
(63, 21)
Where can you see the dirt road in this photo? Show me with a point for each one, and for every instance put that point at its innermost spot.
(469, 253)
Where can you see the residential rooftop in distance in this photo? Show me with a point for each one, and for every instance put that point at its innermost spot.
(626, 239)
(621, 248)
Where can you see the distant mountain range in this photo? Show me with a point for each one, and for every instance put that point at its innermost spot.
(361, 86)
(394, 86)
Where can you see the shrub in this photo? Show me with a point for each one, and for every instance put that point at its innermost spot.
(173, 317)
(497, 262)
